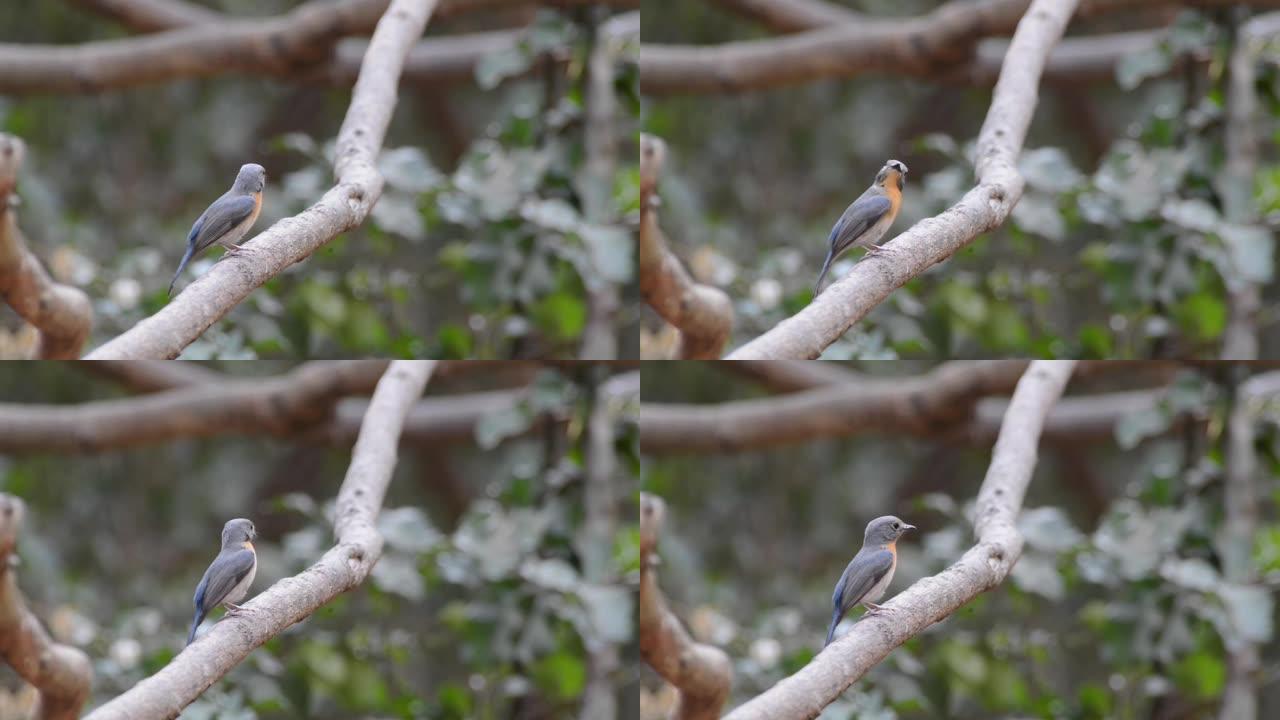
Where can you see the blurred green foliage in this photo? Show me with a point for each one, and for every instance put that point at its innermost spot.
(1117, 607)
(477, 247)
(477, 608)
(1118, 247)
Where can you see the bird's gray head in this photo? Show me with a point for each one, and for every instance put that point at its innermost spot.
(893, 171)
(885, 531)
(237, 532)
(251, 179)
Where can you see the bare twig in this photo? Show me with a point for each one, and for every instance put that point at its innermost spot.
(600, 520)
(1244, 297)
(702, 673)
(61, 673)
(931, 241)
(932, 599)
(62, 313)
(345, 566)
(294, 239)
(600, 141)
(702, 313)
(1239, 523)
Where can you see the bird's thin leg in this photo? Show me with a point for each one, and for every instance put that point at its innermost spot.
(233, 249)
(874, 609)
(882, 251)
(234, 609)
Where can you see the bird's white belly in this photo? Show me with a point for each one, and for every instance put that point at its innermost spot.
(871, 237)
(877, 591)
(242, 588)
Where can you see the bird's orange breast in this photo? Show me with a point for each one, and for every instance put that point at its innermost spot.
(257, 208)
(249, 546)
(892, 192)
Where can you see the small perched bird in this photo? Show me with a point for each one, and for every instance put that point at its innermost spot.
(228, 218)
(228, 578)
(868, 218)
(869, 572)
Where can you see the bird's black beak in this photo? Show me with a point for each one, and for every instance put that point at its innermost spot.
(906, 527)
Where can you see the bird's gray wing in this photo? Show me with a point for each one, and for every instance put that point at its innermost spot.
(857, 218)
(864, 571)
(225, 213)
(227, 570)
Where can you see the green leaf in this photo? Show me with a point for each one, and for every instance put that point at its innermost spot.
(1201, 675)
(561, 675)
(561, 314)
(1203, 315)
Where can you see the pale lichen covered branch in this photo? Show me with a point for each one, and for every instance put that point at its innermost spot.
(933, 599)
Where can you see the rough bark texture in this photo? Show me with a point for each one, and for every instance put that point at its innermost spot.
(702, 673)
(60, 673)
(294, 239)
(933, 240)
(933, 599)
(293, 599)
(702, 313)
(62, 313)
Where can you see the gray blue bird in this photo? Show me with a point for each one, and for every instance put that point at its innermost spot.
(869, 572)
(228, 219)
(868, 218)
(228, 578)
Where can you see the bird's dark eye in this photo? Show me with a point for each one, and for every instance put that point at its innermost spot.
(895, 526)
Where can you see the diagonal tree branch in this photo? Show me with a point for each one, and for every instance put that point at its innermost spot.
(933, 599)
(933, 240)
(702, 673)
(61, 673)
(62, 313)
(291, 600)
(294, 239)
(702, 313)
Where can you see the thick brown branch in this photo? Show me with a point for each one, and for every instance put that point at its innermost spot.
(345, 566)
(702, 313)
(306, 404)
(294, 239)
(941, 44)
(952, 404)
(702, 673)
(932, 599)
(792, 15)
(61, 673)
(934, 240)
(925, 406)
(36, 69)
(61, 313)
